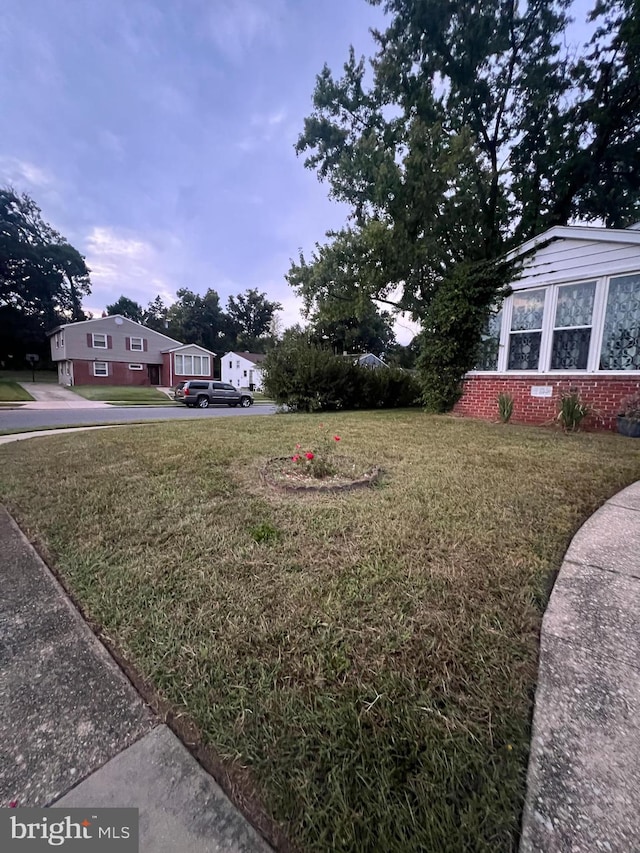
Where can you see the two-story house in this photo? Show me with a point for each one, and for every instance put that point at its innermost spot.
(243, 369)
(117, 351)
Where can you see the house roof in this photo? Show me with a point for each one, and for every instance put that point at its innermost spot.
(189, 346)
(253, 357)
(630, 236)
(111, 317)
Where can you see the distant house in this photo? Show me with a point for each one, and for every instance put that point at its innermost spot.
(243, 369)
(572, 322)
(367, 359)
(117, 351)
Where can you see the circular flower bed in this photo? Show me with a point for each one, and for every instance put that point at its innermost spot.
(287, 475)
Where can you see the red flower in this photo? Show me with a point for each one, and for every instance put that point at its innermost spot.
(309, 456)
(336, 438)
(298, 446)
(295, 458)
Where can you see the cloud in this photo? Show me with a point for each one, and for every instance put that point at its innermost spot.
(123, 263)
(236, 25)
(22, 172)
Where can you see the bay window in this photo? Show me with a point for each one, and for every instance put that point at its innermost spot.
(191, 365)
(526, 329)
(621, 335)
(572, 329)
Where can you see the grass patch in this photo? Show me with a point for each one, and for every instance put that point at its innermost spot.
(370, 656)
(26, 376)
(11, 392)
(121, 393)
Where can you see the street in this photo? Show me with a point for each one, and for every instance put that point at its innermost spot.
(35, 419)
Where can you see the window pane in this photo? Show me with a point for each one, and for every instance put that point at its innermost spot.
(524, 351)
(489, 343)
(188, 364)
(575, 304)
(179, 364)
(528, 309)
(621, 337)
(570, 349)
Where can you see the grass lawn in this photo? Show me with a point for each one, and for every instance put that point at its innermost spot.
(121, 394)
(11, 392)
(364, 662)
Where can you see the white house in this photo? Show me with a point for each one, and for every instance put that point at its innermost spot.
(243, 369)
(572, 323)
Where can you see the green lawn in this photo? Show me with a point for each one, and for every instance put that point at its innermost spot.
(121, 394)
(11, 392)
(367, 668)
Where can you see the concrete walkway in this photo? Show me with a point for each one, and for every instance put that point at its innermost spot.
(74, 732)
(48, 395)
(583, 791)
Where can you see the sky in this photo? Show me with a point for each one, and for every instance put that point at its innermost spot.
(158, 136)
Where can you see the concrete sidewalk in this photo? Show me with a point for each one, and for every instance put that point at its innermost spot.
(74, 732)
(583, 791)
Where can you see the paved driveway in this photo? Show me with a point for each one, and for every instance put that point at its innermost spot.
(50, 396)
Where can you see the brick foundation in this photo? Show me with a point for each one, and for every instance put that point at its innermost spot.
(119, 374)
(602, 393)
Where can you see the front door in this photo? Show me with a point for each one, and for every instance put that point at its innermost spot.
(154, 374)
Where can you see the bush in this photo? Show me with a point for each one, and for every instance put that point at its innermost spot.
(306, 378)
(505, 407)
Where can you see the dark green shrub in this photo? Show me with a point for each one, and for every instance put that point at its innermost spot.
(306, 378)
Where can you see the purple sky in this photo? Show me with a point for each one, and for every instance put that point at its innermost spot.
(157, 135)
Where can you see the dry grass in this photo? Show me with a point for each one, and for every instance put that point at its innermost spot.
(372, 659)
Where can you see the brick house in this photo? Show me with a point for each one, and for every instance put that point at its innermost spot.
(117, 351)
(571, 322)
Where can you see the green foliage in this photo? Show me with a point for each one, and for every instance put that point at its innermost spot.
(572, 411)
(453, 325)
(473, 130)
(127, 308)
(250, 315)
(347, 327)
(264, 533)
(200, 320)
(306, 378)
(505, 407)
(42, 278)
(630, 407)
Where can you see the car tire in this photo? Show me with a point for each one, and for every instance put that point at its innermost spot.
(203, 402)
(245, 402)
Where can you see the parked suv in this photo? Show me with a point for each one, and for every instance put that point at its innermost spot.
(202, 393)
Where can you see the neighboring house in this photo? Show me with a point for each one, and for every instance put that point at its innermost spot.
(116, 351)
(572, 322)
(243, 369)
(367, 359)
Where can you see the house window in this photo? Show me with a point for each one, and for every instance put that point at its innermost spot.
(135, 367)
(100, 368)
(572, 328)
(230, 365)
(490, 343)
(192, 365)
(238, 365)
(621, 335)
(526, 329)
(136, 345)
(99, 342)
(244, 373)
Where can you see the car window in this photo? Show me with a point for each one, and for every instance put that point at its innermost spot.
(198, 386)
(217, 386)
(228, 387)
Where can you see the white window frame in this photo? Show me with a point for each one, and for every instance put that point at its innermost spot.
(97, 345)
(139, 341)
(548, 327)
(106, 367)
(136, 367)
(204, 365)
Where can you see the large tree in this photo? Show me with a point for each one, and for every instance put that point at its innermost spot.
(251, 315)
(127, 308)
(348, 327)
(200, 320)
(471, 129)
(42, 277)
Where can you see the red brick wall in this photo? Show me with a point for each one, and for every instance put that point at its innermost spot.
(602, 393)
(119, 374)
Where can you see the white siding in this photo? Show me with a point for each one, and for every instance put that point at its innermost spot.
(242, 372)
(573, 260)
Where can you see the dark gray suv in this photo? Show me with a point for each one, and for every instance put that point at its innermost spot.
(204, 393)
